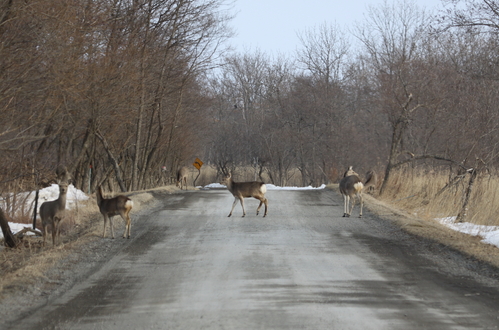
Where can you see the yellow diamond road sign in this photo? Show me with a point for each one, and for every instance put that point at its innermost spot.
(198, 163)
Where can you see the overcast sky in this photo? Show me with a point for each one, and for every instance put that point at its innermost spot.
(272, 25)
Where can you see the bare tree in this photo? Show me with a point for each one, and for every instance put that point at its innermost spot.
(393, 37)
(323, 53)
(471, 14)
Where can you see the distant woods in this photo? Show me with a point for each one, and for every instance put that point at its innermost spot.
(402, 87)
(123, 93)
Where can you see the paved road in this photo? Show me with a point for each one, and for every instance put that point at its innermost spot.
(188, 266)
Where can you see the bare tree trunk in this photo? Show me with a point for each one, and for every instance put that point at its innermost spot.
(35, 209)
(10, 240)
(398, 130)
(138, 141)
(87, 141)
(461, 217)
(174, 123)
(116, 166)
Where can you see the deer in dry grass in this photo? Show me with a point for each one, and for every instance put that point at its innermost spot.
(52, 213)
(371, 181)
(119, 205)
(241, 190)
(350, 187)
(182, 177)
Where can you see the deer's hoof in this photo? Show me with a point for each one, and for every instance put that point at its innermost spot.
(229, 215)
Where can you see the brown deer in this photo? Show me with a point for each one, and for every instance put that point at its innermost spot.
(52, 213)
(350, 186)
(371, 181)
(119, 205)
(241, 190)
(182, 177)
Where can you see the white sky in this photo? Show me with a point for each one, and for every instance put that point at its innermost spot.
(272, 25)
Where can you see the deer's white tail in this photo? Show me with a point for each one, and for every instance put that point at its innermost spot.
(241, 190)
(119, 205)
(52, 213)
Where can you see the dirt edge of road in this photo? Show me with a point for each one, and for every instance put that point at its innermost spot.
(470, 246)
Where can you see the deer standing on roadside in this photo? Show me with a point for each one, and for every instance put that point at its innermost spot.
(52, 212)
(119, 205)
(241, 190)
(371, 181)
(350, 186)
(182, 177)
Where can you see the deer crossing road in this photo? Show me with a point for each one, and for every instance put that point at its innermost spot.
(304, 266)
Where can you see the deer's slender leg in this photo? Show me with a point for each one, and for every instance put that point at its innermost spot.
(346, 200)
(111, 225)
(259, 206)
(361, 204)
(352, 204)
(105, 223)
(242, 205)
(233, 206)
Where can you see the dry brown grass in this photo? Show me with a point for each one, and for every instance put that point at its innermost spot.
(419, 191)
(30, 259)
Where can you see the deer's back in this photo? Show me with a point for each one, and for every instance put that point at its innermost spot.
(351, 185)
(182, 173)
(114, 205)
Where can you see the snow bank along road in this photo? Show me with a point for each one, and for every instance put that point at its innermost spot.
(188, 266)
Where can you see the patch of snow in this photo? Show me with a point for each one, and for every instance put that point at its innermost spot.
(269, 187)
(489, 234)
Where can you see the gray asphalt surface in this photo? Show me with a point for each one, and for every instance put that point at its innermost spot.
(188, 266)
